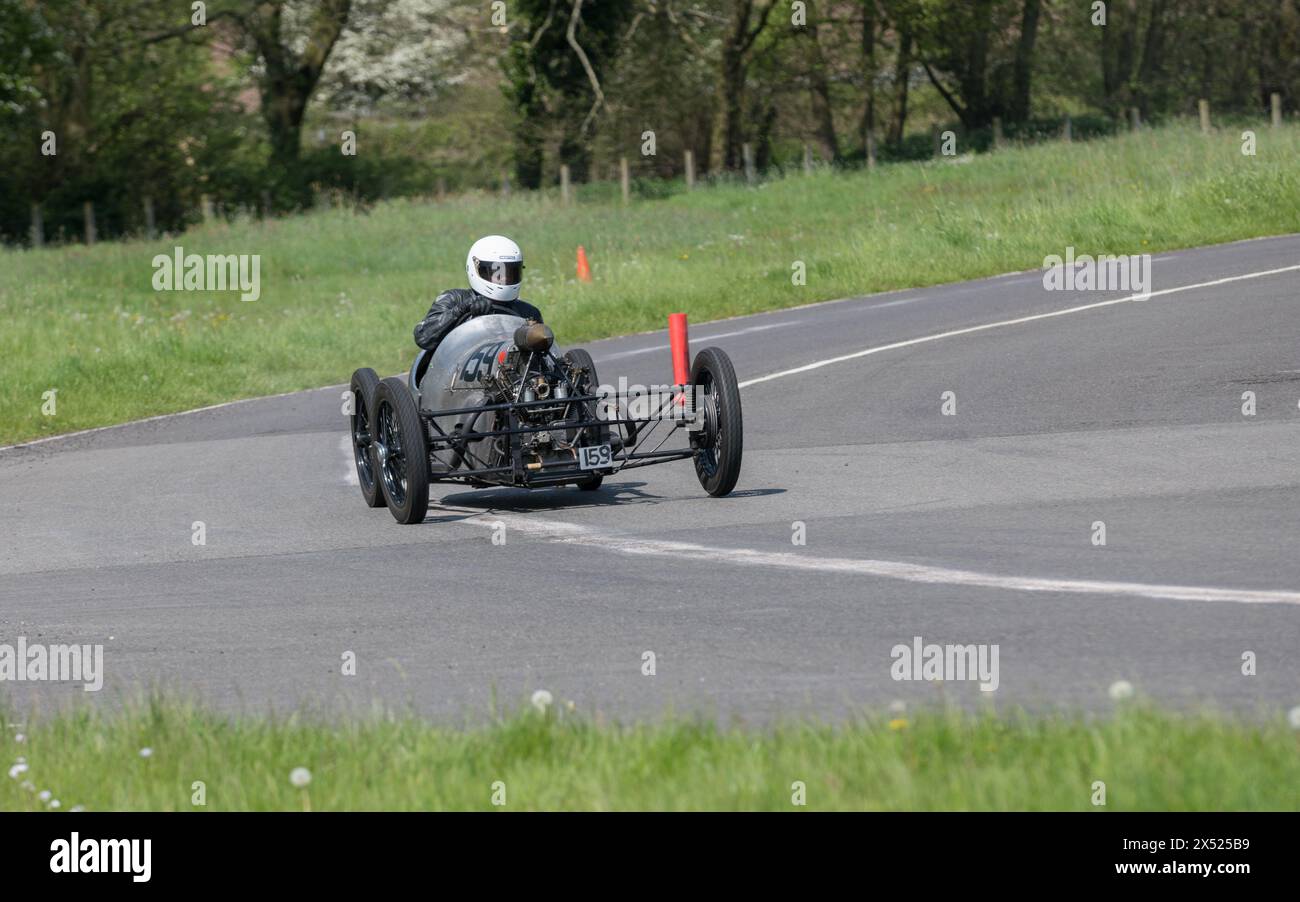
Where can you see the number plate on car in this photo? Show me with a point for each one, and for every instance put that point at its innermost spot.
(595, 457)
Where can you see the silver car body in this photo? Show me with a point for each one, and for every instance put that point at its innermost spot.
(459, 374)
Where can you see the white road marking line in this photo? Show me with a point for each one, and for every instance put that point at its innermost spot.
(574, 534)
(895, 303)
(665, 347)
(164, 416)
(1008, 322)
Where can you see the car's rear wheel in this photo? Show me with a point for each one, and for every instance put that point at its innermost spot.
(586, 384)
(721, 441)
(401, 452)
(363, 386)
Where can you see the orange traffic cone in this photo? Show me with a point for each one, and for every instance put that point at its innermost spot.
(584, 270)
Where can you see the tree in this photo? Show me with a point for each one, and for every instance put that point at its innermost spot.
(560, 54)
(157, 122)
(389, 54)
(660, 82)
(870, 38)
(1022, 77)
(289, 77)
(902, 16)
(1131, 50)
(819, 92)
(979, 56)
(745, 22)
(291, 41)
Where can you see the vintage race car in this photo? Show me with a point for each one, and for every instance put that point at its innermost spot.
(493, 405)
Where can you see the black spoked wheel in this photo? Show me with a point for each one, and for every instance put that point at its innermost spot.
(586, 384)
(401, 452)
(721, 441)
(364, 384)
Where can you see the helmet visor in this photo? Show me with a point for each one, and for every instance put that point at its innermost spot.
(500, 272)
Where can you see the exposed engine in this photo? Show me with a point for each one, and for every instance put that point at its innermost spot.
(495, 360)
(531, 377)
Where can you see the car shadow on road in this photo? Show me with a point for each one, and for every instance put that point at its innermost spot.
(611, 494)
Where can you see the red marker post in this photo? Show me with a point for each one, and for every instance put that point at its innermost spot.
(680, 345)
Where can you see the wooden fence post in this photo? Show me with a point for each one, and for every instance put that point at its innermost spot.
(88, 212)
(625, 180)
(1067, 132)
(1275, 101)
(564, 183)
(997, 131)
(690, 169)
(807, 160)
(1134, 119)
(747, 154)
(1203, 107)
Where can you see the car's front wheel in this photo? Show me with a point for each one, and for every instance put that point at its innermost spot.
(401, 452)
(721, 441)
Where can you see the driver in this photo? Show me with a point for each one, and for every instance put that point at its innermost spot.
(495, 266)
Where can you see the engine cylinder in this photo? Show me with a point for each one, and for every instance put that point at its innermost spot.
(535, 337)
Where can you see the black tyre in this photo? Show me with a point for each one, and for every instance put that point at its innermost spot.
(364, 384)
(721, 441)
(587, 384)
(401, 452)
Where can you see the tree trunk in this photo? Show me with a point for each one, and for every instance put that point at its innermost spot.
(820, 96)
(1018, 110)
(902, 74)
(1117, 41)
(976, 110)
(288, 82)
(728, 129)
(763, 157)
(283, 108)
(1152, 59)
(727, 136)
(529, 150)
(575, 149)
(868, 123)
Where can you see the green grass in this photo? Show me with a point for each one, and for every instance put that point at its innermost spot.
(341, 290)
(935, 760)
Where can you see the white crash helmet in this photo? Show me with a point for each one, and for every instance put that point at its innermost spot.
(495, 267)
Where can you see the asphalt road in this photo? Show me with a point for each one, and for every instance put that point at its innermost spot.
(974, 528)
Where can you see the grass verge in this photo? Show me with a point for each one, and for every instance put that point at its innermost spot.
(934, 760)
(342, 289)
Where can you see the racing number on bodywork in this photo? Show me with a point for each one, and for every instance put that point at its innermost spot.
(594, 457)
(479, 364)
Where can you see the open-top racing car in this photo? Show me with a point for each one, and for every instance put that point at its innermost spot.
(493, 405)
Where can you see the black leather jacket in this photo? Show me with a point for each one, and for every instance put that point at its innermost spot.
(457, 305)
